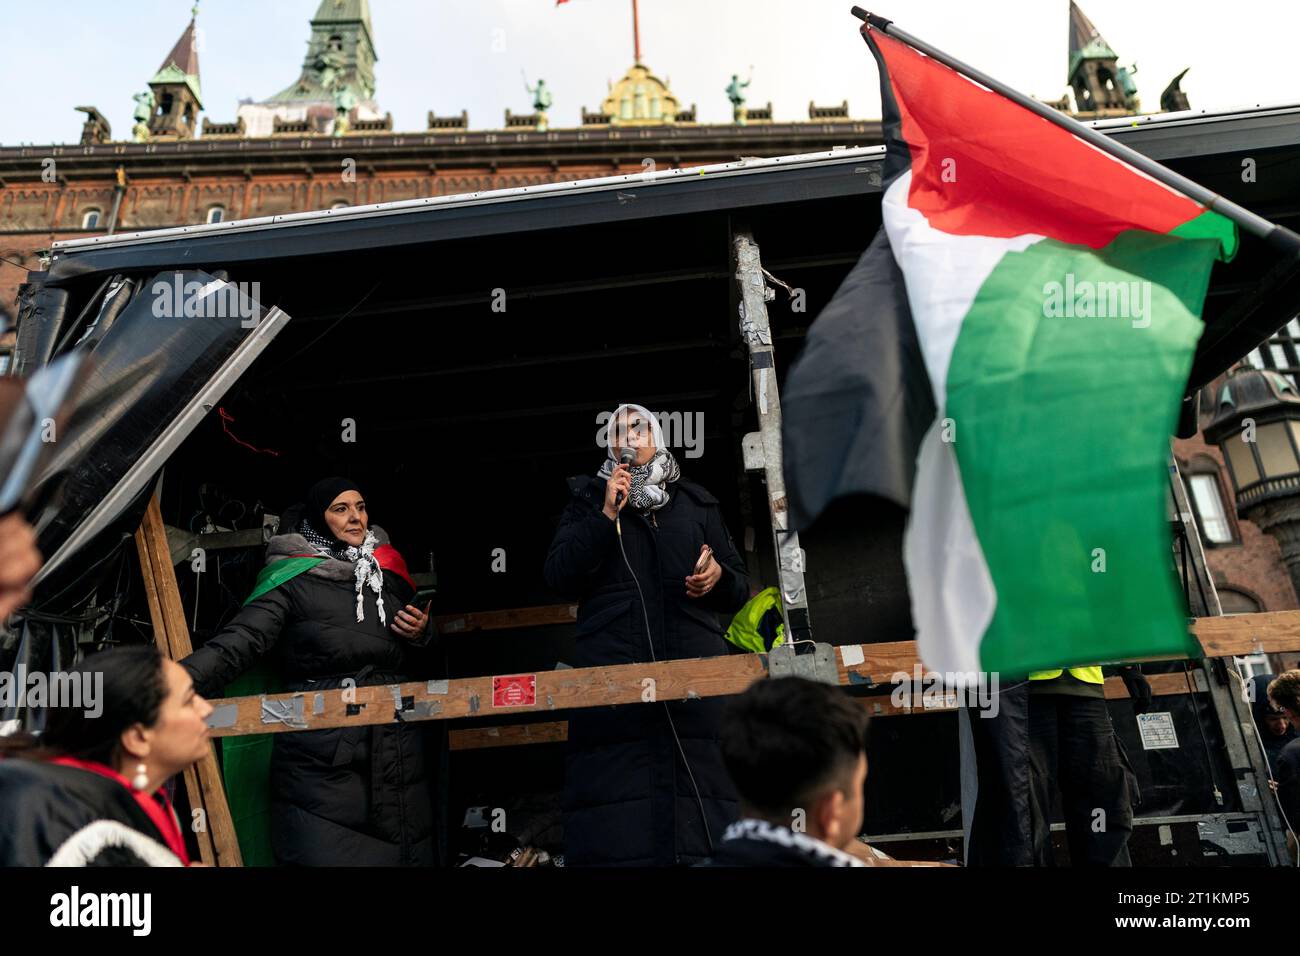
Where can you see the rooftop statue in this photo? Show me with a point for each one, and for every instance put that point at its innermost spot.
(144, 106)
(541, 96)
(735, 93)
(541, 101)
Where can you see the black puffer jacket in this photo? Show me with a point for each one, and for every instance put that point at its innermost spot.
(628, 798)
(347, 796)
(84, 818)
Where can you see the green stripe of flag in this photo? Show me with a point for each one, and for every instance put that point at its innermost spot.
(1065, 478)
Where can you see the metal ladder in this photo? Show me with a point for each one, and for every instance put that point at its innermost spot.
(1222, 680)
(762, 449)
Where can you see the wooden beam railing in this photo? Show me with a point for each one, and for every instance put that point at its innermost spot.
(866, 665)
(557, 731)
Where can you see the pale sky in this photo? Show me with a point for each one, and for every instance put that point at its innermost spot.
(449, 55)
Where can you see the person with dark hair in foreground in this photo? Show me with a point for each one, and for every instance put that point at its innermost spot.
(796, 751)
(88, 790)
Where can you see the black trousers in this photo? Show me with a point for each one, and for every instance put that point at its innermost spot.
(1073, 751)
(1003, 829)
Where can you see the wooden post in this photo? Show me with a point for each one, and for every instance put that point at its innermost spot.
(218, 844)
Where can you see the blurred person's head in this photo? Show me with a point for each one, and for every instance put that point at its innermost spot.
(1284, 692)
(148, 715)
(1276, 723)
(796, 752)
(20, 559)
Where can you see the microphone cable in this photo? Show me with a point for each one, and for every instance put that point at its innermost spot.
(645, 615)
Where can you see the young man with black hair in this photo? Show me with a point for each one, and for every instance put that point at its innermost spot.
(796, 752)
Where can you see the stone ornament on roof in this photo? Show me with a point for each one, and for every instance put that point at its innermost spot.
(640, 99)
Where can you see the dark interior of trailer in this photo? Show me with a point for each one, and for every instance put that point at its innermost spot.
(468, 420)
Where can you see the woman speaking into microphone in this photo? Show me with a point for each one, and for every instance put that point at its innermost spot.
(646, 555)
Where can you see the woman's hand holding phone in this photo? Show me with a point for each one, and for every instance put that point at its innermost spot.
(706, 574)
(411, 621)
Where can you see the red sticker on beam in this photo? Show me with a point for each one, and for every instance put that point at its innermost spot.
(516, 690)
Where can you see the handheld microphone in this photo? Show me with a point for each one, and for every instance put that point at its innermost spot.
(625, 457)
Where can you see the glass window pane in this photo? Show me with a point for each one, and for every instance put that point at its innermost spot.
(1279, 357)
(1255, 664)
(1209, 505)
(1293, 327)
(1243, 462)
(1255, 358)
(1275, 450)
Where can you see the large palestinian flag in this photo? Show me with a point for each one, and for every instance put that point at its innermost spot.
(1008, 359)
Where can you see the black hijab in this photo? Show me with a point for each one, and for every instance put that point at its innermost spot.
(320, 496)
(308, 516)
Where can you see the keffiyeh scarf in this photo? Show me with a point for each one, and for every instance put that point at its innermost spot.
(367, 569)
(649, 480)
(637, 426)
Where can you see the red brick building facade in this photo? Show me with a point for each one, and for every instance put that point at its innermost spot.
(326, 148)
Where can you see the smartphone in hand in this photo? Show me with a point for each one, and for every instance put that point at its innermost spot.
(703, 563)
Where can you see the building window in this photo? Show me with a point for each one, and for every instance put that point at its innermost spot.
(1207, 497)
(216, 214)
(1253, 666)
(1281, 353)
(90, 219)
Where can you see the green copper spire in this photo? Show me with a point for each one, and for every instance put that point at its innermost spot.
(340, 56)
(182, 64)
(1086, 41)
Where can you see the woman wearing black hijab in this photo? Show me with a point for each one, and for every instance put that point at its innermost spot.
(333, 599)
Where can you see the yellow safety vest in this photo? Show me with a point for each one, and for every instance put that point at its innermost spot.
(744, 629)
(1089, 675)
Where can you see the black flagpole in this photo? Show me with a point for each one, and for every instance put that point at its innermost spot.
(1275, 235)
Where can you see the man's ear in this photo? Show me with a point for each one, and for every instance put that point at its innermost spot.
(826, 813)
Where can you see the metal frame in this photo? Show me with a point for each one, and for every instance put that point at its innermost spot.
(762, 449)
(1197, 818)
(149, 464)
(1246, 757)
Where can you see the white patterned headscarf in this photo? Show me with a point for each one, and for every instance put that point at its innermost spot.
(634, 426)
(366, 569)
